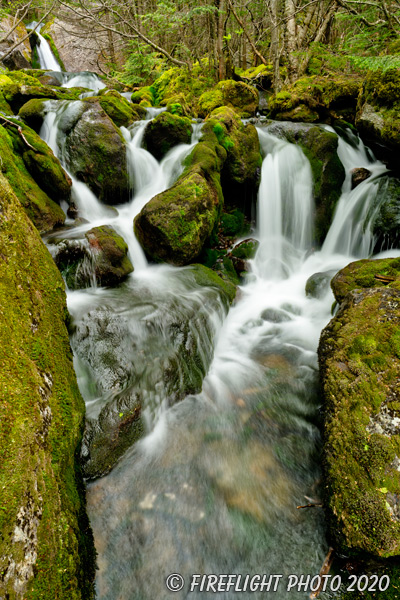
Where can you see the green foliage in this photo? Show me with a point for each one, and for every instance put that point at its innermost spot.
(141, 66)
(376, 63)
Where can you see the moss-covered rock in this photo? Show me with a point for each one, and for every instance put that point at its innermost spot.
(241, 254)
(32, 113)
(110, 252)
(143, 97)
(320, 147)
(43, 211)
(241, 171)
(46, 546)
(41, 163)
(182, 86)
(97, 154)
(318, 284)
(118, 109)
(166, 131)
(20, 57)
(234, 94)
(317, 99)
(359, 358)
(378, 114)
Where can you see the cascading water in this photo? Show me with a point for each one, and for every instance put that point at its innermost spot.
(46, 57)
(213, 488)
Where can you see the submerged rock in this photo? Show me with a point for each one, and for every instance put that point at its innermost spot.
(318, 284)
(45, 537)
(360, 373)
(166, 131)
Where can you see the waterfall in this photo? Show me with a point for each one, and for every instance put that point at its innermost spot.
(46, 57)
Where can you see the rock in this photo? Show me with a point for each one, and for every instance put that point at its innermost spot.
(240, 175)
(166, 131)
(386, 222)
(234, 94)
(99, 258)
(360, 372)
(43, 211)
(358, 175)
(318, 284)
(317, 99)
(97, 154)
(21, 57)
(119, 109)
(175, 225)
(32, 112)
(143, 97)
(320, 147)
(241, 253)
(45, 537)
(131, 364)
(41, 163)
(377, 116)
(110, 253)
(275, 315)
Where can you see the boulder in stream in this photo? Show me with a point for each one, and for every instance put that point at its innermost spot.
(46, 544)
(166, 131)
(235, 94)
(359, 356)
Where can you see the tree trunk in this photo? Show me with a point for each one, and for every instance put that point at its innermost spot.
(290, 40)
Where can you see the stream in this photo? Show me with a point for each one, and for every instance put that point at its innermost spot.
(232, 439)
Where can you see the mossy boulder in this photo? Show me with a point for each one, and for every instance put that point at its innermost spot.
(320, 147)
(241, 254)
(110, 255)
(234, 94)
(41, 163)
(182, 86)
(43, 211)
(359, 356)
(97, 154)
(118, 108)
(240, 175)
(46, 545)
(317, 99)
(166, 131)
(378, 114)
(33, 112)
(143, 97)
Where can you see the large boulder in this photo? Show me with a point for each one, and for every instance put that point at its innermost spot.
(235, 94)
(360, 372)
(122, 112)
(97, 154)
(378, 111)
(240, 175)
(41, 163)
(46, 545)
(166, 131)
(41, 209)
(320, 147)
(315, 99)
(174, 226)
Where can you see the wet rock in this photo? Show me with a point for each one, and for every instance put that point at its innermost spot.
(235, 94)
(242, 253)
(360, 370)
(97, 154)
(274, 315)
(166, 131)
(122, 112)
(318, 284)
(241, 171)
(358, 175)
(386, 222)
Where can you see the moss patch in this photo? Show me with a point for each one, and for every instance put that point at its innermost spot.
(166, 131)
(237, 95)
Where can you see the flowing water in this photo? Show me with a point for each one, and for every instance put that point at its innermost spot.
(46, 57)
(214, 484)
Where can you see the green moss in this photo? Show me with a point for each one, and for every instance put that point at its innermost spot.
(166, 131)
(53, 48)
(41, 420)
(361, 274)
(360, 373)
(117, 108)
(237, 95)
(206, 277)
(144, 94)
(44, 213)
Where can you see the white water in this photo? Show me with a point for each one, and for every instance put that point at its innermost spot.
(46, 57)
(213, 487)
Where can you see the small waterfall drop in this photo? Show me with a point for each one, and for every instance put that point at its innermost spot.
(46, 57)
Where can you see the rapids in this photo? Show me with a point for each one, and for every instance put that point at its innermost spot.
(214, 484)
